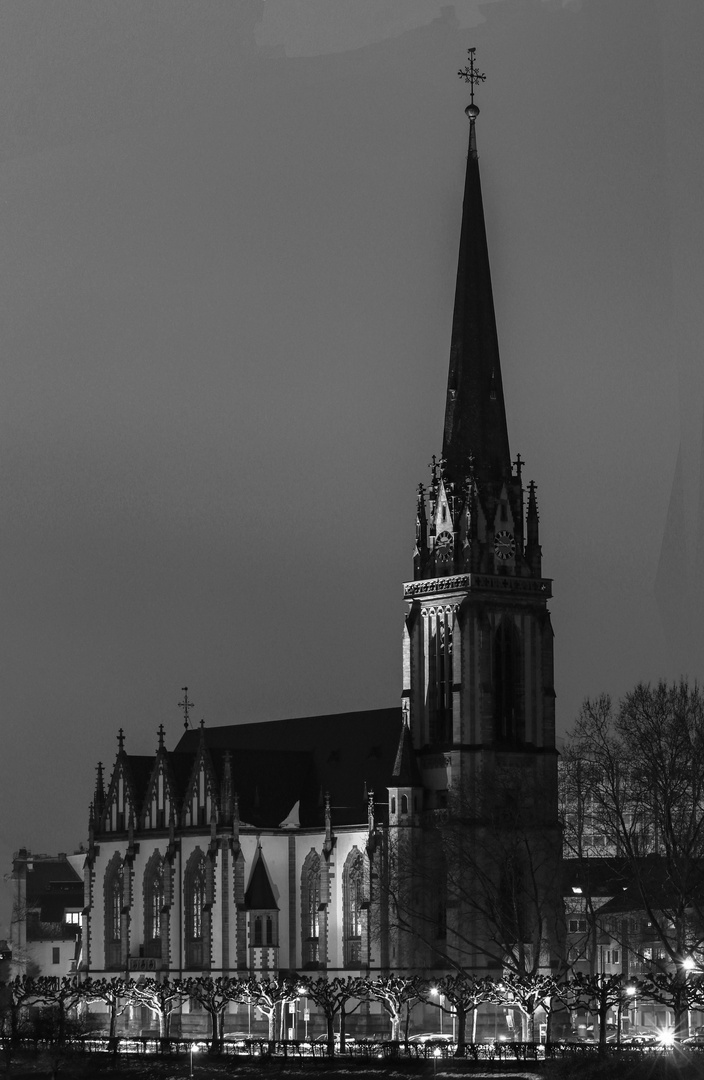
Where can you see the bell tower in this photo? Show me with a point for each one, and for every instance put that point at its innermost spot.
(478, 643)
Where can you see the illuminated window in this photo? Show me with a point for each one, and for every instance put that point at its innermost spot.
(194, 911)
(310, 910)
(353, 897)
(153, 904)
(113, 892)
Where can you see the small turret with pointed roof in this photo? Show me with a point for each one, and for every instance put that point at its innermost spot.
(260, 895)
(99, 797)
(406, 784)
(406, 772)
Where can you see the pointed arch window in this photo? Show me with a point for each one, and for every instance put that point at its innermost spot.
(113, 893)
(153, 905)
(310, 910)
(195, 911)
(353, 908)
(508, 684)
(440, 675)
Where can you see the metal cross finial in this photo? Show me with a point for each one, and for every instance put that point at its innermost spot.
(160, 733)
(185, 705)
(471, 75)
(519, 463)
(120, 740)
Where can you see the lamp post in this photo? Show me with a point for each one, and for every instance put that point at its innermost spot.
(434, 992)
(436, 1055)
(632, 991)
(688, 966)
(196, 1050)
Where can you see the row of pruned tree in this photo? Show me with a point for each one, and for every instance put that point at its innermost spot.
(458, 995)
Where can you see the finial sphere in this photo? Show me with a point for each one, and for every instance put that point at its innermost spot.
(472, 111)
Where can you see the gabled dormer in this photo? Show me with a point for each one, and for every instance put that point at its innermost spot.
(159, 796)
(200, 802)
(120, 800)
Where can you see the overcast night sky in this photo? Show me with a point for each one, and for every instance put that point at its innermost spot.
(229, 236)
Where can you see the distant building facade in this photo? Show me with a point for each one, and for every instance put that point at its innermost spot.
(47, 913)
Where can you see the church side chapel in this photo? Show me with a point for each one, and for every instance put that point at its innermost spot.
(408, 840)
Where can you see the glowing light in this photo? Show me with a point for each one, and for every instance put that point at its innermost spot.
(667, 1038)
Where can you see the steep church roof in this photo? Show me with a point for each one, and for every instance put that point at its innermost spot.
(475, 416)
(278, 763)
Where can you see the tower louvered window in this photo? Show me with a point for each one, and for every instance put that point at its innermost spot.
(440, 676)
(508, 684)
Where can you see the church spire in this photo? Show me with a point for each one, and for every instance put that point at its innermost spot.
(475, 416)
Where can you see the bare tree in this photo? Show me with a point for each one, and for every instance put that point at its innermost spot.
(464, 993)
(268, 995)
(331, 997)
(161, 997)
(476, 885)
(115, 993)
(641, 772)
(214, 995)
(61, 994)
(597, 994)
(393, 993)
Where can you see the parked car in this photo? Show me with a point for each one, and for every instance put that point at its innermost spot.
(431, 1036)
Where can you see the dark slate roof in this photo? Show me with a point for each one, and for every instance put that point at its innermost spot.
(52, 886)
(279, 763)
(595, 876)
(259, 895)
(405, 771)
(139, 770)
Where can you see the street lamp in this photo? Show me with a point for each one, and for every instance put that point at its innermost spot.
(436, 1055)
(434, 992)
(196, 1048)
(633, 992)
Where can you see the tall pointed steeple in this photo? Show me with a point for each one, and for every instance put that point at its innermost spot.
(475, 416)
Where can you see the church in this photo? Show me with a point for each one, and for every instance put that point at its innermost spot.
(421, 838)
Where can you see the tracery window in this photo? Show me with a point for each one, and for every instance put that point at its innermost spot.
(153, 904)
(507, 684)
(440, 675)
(194, 911)
(310, 910)
(353, 906)
(113, 894)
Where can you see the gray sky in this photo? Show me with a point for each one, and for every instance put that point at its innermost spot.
(229, 239)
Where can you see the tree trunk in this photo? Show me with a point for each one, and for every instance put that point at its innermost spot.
(343, 1029)
(330, 1021)
(461, 1014)
(602, 1013)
